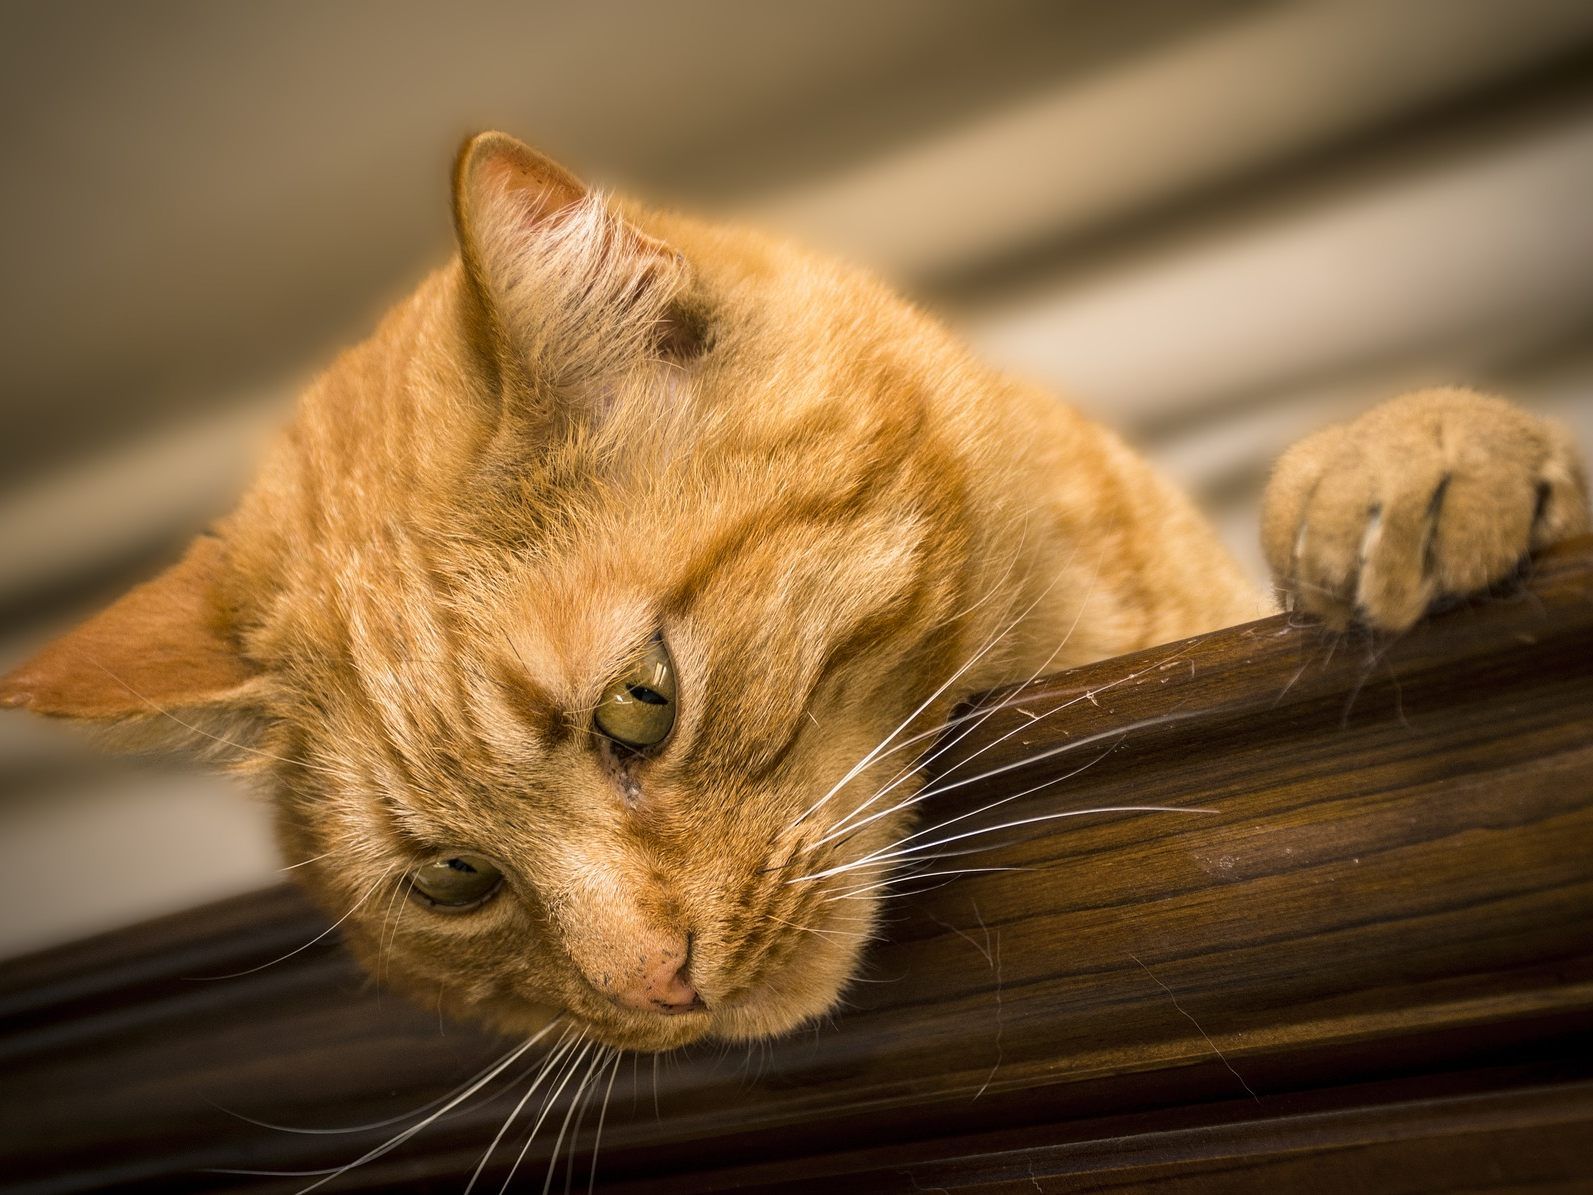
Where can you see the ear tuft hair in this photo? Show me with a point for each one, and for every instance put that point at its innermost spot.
(164, 647)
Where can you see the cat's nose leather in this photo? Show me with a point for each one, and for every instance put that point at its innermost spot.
(659, 984)
(668, 990)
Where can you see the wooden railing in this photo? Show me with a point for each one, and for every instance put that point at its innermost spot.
(1369, 967)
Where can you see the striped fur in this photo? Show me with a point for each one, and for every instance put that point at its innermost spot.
(599, 422)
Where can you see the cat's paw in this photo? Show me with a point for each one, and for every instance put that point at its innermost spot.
(1437, 494)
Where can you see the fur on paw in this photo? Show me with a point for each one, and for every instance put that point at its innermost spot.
(1437, 494)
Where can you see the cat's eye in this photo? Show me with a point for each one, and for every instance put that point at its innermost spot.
(638, 709)
(456, 882)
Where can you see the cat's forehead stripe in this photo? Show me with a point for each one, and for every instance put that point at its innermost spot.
(532, 702)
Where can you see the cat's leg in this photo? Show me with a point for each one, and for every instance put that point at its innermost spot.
(1436, 494)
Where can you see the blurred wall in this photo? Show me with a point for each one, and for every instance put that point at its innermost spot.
(1214, 223)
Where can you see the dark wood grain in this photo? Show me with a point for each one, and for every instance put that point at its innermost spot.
(1368, 967)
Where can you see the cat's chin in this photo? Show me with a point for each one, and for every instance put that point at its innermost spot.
(744, 1021)
(770, 1012)
(642, 1033)
(649, 1037)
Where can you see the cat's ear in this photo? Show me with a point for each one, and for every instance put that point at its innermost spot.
(563, 288)
(163, 654)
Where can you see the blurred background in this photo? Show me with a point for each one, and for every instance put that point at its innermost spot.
(1215, 224)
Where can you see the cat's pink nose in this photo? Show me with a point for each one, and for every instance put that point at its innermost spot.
(659, 983)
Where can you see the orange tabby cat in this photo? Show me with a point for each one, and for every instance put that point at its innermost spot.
(584, 600)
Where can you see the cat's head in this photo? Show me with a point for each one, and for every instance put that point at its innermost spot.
(568, 620)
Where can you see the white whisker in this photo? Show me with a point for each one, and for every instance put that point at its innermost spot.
(602, 1115)
(990, 642)
(300, 949)
(939, 826)
(547, 1104)
(576, 1102)
(925, 794)
(372, 1125)
(853, 893)
(1117, 732)
(836, 933)
(560, 1048)
(329, 1173)
(914, 768)
(1026, 821)
(383, 942)
(307, 862)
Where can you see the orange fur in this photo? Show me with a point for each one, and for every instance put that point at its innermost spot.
(598, 422)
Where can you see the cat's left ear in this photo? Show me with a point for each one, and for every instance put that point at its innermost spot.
(162, 656)
(565, 289)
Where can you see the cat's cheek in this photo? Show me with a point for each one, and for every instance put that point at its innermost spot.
(475, 962)
(806, 988)
(511, 1016)
(478, 992)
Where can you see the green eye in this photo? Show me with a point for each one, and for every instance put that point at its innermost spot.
(457, 882)
(638, 709)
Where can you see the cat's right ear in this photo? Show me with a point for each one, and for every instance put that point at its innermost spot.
(563, 290)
